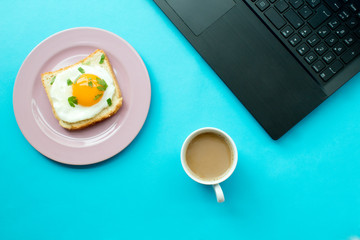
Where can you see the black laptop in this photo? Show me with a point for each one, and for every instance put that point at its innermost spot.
(281, 58)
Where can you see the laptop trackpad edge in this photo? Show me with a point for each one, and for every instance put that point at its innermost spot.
(198, 15)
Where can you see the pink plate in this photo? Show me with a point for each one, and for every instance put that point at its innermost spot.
(103, 140)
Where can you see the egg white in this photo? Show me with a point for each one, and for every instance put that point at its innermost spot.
(60, 92)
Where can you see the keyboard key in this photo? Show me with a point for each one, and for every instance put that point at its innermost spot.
(336, 66)
(349, 55)
(322, 13)
(294, 19)
(295, 40)
(313, 3)
(352, 23)
(329, 57)
(324, 31)
(335, 5)
(321, 48)
(354, 8)
(275, 18)
(305, 31)
(332, 70)
(262, 5)
(334, 23)
(339, 48)
(326, 75)
(302, 49)
(331, 40)
(342, 31)
(296, 3)
(349, 40)
(313, 40)
(311, 57)
(344, 15)
(281, 6)
(287, 31)
(318, 66)
(305, 12)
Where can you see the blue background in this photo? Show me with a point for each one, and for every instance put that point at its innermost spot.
(304, 186)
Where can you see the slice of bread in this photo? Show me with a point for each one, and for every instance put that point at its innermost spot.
(92, 59)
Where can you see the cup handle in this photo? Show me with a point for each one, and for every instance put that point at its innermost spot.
(219, 193)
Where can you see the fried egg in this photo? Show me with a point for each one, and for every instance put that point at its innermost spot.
(81, 92)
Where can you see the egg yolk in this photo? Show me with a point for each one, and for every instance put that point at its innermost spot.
(85, 89)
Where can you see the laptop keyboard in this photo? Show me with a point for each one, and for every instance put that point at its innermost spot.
(323, 34)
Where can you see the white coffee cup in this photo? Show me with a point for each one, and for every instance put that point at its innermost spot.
(215, 183)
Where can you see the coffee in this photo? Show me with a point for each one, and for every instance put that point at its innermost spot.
(209, 156)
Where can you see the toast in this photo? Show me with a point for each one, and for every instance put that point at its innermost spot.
(92, 59)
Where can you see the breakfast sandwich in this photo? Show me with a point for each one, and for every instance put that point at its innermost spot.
(84, 93)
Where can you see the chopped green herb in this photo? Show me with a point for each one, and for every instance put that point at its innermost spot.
(52, 80)
(69, 82)
(102, 59)
(77, 79)
(72, 101)
(81, 70)
(97, 96)
(102, 83)
(90, 84)
(109, 101)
